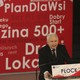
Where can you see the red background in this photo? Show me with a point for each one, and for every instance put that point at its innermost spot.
(29, 20)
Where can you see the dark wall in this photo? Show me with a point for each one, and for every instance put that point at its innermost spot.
(76, 29)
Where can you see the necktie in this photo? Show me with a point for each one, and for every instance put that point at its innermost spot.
(53, 53)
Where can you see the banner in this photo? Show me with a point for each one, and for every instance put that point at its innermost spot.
(67, 70)
(24, 25)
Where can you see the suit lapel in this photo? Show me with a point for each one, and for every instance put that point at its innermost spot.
(48, 50)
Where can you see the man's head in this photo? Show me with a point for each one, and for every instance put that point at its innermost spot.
(52, 40)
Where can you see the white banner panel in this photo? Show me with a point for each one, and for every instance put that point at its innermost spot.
(67, 70)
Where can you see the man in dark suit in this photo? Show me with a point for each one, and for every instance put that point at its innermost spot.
(51, 54)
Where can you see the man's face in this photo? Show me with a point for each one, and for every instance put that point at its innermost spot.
(52, 42)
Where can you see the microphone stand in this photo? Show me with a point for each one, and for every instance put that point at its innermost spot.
(36, 74)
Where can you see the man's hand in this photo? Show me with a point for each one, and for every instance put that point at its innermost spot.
(47, 75)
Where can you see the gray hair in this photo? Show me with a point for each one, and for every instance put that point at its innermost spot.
(52, 34)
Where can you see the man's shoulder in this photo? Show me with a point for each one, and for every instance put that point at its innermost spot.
(43, 48)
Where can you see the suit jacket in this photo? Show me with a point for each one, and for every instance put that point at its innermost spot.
(46, 58)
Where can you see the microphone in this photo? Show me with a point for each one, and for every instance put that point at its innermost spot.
(45, 64)
(70, 60)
